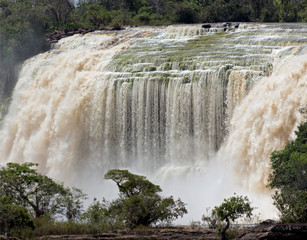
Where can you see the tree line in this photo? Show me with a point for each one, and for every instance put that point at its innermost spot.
(24, 23)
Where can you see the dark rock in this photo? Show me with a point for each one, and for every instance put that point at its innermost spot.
(268, 221)
(116, 28)
(281, 228)
(206, 25)
(228, 24)
(275, 231)
(56, 35)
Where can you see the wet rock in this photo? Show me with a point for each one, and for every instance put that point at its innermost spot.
(228, 26)
(116, 28)
(56, 35)
(206, 25)
(268, 221)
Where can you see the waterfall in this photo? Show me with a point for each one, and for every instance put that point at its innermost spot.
(266, 120)
(164, 101)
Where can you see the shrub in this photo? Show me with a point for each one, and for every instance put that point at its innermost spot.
(289, 178)
(232, 209)
(139, 202)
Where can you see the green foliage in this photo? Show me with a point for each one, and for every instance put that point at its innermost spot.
(47, 226)
(72, 203)
(232, 209)
(39, 193)
(289, 178)
(29, 188)
(131, 184)
(13, 217)
(21, 35)
(139, 202)
(98, 216)
(96, 212)
(92, 15)
(303, 11)
(287, 10)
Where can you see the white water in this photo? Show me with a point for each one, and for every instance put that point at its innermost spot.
(265, 121)
(160, 102)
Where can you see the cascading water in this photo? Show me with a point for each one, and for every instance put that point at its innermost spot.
(161, 102)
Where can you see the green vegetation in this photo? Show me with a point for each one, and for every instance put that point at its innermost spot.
(100, 218)
(289, 178)
(231, 209)
(13, 217)
(32, 204)
(139, 202)
(38, 193)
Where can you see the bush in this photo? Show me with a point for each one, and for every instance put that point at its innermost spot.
(139, 202)
(232, 209)
(288, 178)
(39, 193)
(13, 218)
(98, 216)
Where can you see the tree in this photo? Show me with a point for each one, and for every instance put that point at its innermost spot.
(96, 212)
(139, 202)
(288, 9)
(96, 16)
(39, 193)
(31, 189)
(98, 216)
(232, 209)
(13, 216)
(303, 11)
(72, 203)
(289, 178)
(60, 9)
(22, 29)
